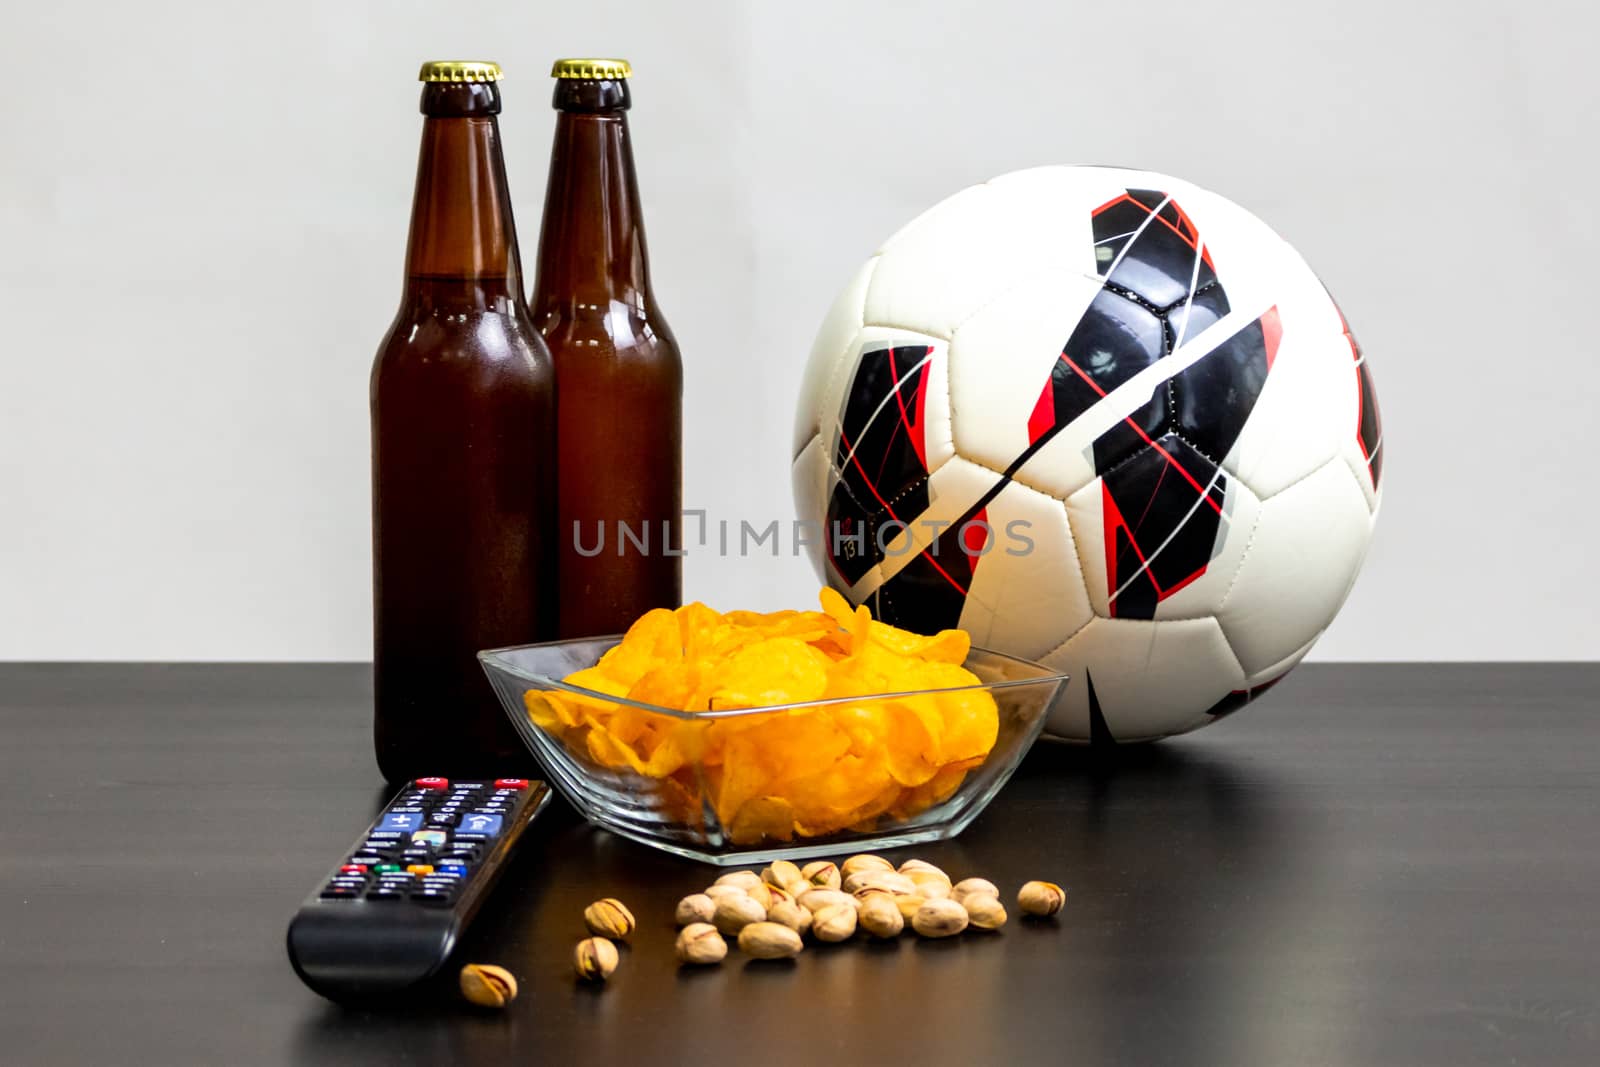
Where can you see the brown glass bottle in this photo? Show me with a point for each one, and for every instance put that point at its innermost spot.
(619, 378)
(463, 444)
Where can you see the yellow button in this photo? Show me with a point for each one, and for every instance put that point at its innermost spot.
(421, 868)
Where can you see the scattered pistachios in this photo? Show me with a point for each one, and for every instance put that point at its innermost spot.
(967, 886)
(695, 908)
(1041, 898)
(929, 884)
(824, 874)
(780, 873)
(836, 922)
(736, 911)
(984, 911)
(910, 866)
(864, 862)
(880, 915)
(791, 915)
(594, 959)
(609, 918)
(700, 944)
(939, 918)
(770, 913)
(745, 880)
(908, 903)
(717, 892)
(769, 941)
(488, 986)
(887, 881)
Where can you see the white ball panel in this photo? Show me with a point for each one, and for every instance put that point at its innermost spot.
(1086, 516)
(1000, 363)
(1063, 199)
(810, 476)
(828, 352)
(1308, 545)
(1026, 618)
(1272, 672)
(1150, 679)
(1306, 408)
(951, 263)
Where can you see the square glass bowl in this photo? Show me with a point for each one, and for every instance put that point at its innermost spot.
(674, 802)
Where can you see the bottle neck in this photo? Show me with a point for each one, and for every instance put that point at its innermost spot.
(592, 245)
(463, 246)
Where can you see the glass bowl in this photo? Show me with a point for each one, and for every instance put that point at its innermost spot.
(679, 811)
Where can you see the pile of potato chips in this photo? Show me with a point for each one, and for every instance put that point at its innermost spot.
(795, 771)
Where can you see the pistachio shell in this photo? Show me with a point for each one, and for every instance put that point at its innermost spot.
(488, 986)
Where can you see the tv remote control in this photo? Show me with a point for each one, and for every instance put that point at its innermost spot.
(391, 912)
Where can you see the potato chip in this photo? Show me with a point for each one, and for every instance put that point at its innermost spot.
(770, 776)
(779, 670)
(651, 639)
(762, 819)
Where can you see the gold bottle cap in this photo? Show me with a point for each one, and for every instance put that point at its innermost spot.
(459, 70)
(597, 69)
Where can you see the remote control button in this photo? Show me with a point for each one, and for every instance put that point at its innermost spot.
(450, 866)
(479, 825)
(339, 892)
(399, 822)
(361, 859)
(420, 868)
(387, 868)
(511, 783)
(353, 868)
(442, 818)
(433, 897)
(384, 893)
(432, 783)
(429, 838)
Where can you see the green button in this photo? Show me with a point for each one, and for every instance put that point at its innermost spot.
(386, 868)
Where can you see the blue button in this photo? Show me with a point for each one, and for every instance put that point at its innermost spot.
(452, 868)
(403, 821)
(478, 825)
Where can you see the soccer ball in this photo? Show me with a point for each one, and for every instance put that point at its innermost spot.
(1100, 418)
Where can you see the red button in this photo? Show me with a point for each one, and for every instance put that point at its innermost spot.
(511, 783)
(433, 783)
(353, 868)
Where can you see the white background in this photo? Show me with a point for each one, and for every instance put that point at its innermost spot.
(203, 210)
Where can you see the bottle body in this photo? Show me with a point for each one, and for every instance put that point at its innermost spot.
(619, 375)
(463, 472)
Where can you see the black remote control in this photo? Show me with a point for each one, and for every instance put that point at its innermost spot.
(390, 914)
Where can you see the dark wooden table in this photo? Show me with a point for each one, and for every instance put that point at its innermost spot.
(1390, 864)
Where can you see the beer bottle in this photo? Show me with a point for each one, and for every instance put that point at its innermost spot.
(463, 443)
(619, 379)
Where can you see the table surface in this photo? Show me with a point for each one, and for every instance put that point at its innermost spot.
(1376, 864)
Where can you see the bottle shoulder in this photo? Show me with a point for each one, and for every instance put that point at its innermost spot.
(612, 325)
(444, 341)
